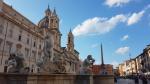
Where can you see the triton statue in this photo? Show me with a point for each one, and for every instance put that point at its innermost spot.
(16, 61)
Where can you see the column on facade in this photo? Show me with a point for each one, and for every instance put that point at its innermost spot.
(37, 51)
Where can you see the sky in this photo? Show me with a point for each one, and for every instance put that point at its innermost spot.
(122, 26)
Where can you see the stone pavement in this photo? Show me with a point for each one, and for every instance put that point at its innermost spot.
(129, 81)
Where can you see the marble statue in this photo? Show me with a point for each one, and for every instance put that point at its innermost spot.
(11, 63)
(48, 48)
(15, 63)
(60, 64)
(87, 65)
(49, 63)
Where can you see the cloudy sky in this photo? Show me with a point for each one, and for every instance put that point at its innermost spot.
(122, 26)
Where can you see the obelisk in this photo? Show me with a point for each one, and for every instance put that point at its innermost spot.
(102, 66)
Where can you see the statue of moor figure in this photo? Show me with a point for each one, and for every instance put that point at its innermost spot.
(87, 65)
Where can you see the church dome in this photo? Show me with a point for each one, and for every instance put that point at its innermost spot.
(50, 16)
(44, 22)
(148, 47)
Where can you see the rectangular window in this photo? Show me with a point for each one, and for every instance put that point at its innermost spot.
(26, 52)
(33, 55)
(28, 41)
(34, 44)
(1, 29)
(10, 33)
(1, 40)
(40, 46)
(20, 35)
(8, 46)
(51, 20)
(19, 38)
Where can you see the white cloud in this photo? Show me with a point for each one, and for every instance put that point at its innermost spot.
(116, 3)
(115, 64)
(94, 45)
(98, 25)
(122, 50)
(135, 17)
(125, 37)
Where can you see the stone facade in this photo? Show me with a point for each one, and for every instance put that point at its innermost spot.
(128, 67)
(17, 30)
(140, 65)
(55, 79)
(97, 69)
(145, 60)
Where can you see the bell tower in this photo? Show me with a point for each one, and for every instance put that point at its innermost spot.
(54, 20)
(54, 27)
(48, 11)
(70, 44)
(50, 24)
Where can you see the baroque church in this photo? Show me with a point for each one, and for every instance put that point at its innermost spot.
(18, 34)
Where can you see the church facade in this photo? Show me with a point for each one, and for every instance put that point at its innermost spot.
(18, 34)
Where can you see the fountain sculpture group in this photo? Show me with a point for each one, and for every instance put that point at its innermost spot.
(48, 63)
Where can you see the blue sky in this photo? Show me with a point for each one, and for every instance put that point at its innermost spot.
(123, 26)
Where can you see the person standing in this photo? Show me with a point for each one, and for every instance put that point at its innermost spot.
(144, 80)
